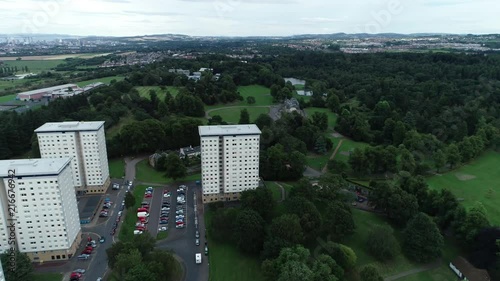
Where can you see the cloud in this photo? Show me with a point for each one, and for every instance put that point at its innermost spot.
(446, 3)
(149, 13)
(320, 19)
(117, 1)
(239, 2)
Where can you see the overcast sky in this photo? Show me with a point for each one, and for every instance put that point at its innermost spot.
(247, 17)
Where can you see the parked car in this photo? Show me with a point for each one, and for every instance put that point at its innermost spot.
(148, 195)
(197, 242)
(163, 228)
(206, 250)
(102, 239)
(179, 226)
(80, 270)
(83, 257)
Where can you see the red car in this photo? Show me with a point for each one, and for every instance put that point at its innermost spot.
(148, 196)
(142, 210)
(75, 275)
(87, 252)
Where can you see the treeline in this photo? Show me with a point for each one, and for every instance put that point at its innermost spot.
(72, 64)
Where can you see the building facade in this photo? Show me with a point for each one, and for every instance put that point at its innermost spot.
(85, 144)
(37, 196)
(229, 161)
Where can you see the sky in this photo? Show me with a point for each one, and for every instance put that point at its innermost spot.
(247, 17)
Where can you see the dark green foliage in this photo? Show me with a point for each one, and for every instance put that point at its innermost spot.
(422, 240)
(284, 231)
(320, 120)
(129, 200)
(338, 221)
(264, 120)
(259, 200)
(276, 164)
(370, 273)
(250, 100)
(310, 218)
(174, 167)
(337, 166)
(17, 266)
(222, 225)
(381, 243)
(468, 223)
(244, 117)
(343, 255)
(249, 231)
(399, 205)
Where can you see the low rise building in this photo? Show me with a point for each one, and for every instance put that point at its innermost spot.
(40, 93)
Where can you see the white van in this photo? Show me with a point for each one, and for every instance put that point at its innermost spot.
(198, 258)
(137, 232)
(142, 214)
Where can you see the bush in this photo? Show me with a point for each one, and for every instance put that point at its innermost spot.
(382, 244)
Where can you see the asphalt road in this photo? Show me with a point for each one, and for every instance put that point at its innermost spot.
(98, 264)
(182, 241)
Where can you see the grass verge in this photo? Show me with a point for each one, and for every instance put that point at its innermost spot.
(116, 168)
(128, 224)
(161, 235)
(47, 277)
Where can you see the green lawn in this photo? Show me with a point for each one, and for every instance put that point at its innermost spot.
(144, 91)
(275, 189)
(332, 117)
(116, 168)
(347, 146)
(146, 173)
(228, 264)
(105, 80)
(128, 224)
(4, 84)
(34, 66)
(47, 277)
(317, 161)
(114, 130)
(232, 115)
(162, 235)
(261, 94)
(364, 222)
(442, 273)
(7, 98)
(476, 181)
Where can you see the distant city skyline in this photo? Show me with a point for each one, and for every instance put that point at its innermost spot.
(247, 18)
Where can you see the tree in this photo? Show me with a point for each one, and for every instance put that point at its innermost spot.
(125, 261)
(264, 120)
(370, 273)
(333, 102)
(470, 224)
(249, 231)
(320, 146)
(422, 240)
(337, 166)
(399, 133)
(21, 270)
(453, 156)
(310, 218)
(381, 243)
(439, 159)
(338, 222)
(407, 161)
(250, 100)
(343, 255)
(260, 200)
(320, 120)
(140, 272)
(357, 161)
(129, 200)
(244, 117)
(174, 167)
(284, 231)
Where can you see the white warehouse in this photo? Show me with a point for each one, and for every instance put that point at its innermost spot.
(229, 161)
(85, 144)
(47, 225)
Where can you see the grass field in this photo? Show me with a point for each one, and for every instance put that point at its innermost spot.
(4, 84)
(146, 173)
(275, 189)
(144, 91)
(34, 66)
(47, 277)
(476, 181)
(442, 273)
(232, 115)
(332, 117)
(347, 146)
(116, 168)
(105, 80)
(227, 264)
(261, 94)
(7, 98)
(317, 161)
(127, 228)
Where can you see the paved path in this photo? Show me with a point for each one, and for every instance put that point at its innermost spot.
(333, 155)
(283, 192)
(311, 173)
(207, 113)
(429, 266)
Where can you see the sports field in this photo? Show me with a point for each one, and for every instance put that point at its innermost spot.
(261, 94)
(232, 115)
(476, 181)
(7, 98)
(144, 91)
(105, 80)
(34, 66)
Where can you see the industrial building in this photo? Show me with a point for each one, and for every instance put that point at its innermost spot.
(45, 92)
(85, 144)
(47, 225)
(229, 161)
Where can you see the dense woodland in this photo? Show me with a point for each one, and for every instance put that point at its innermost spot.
(420, 113)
